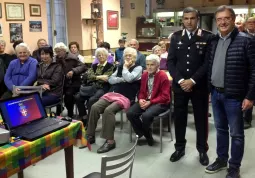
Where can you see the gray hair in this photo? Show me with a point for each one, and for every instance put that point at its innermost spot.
(153, 57)
(250, 18)
(61, 45)
(22, 45)
(223, 8)
(155, 47)
(2, 42)
(137, 42)
(131, 51)
(101, 50)
(191, 9)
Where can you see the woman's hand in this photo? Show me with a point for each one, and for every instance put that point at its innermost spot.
(69, 74)
(128, 63)
(103, 77)
(46, 87)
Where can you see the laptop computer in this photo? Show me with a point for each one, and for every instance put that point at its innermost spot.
(25, 117)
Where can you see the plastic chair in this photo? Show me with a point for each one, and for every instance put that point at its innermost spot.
(124, 162)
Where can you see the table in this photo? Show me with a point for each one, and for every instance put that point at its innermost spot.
(16, 156)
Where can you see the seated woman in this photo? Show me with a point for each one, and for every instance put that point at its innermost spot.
(125, 83)
(50, 76)
(110, 58)
(154, 99)
(98, 76)
(73, 68)
(74, 48)
(163, 56)
(21, 71)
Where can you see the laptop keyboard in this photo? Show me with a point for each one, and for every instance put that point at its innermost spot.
(36, 126)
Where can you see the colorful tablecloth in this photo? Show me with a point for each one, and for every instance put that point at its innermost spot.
(20, 154)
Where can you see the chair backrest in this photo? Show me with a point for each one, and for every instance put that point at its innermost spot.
(124, 162)
(29, 89)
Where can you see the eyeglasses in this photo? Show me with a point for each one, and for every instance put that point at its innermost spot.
(224, 19)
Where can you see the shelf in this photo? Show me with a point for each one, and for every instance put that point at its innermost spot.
(94, 20)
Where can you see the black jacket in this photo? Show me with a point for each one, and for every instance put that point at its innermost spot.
(186, 58)
(239, 78)
(53, 76)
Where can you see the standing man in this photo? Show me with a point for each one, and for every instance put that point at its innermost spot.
(188, 67)
(250, 25)
(231, 78)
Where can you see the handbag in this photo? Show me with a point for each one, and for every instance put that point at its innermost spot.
(87, 90)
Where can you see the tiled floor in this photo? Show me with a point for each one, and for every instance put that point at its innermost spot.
(149, 163)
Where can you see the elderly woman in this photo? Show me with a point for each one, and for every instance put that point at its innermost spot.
(73, 68)
(50, 76)
(110, 57)
(21, 71)
(163, 56)
(153, 99)
(40, 43)
(74, 48)
(125, 83)
(97, 75)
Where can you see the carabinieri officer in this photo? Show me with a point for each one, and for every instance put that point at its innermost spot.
(188, 66)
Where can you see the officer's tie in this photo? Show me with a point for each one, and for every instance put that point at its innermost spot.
(190, 35)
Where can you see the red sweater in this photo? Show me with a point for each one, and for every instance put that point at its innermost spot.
(160, 90)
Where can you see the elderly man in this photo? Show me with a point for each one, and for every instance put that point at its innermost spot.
(188, 67)
(231, 79)
(153, 98)
(250, 26)
(239, 22)
(21, 71)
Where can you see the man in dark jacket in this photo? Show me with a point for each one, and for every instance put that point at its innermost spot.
(188, 67)
(232, 83)
(73, 68)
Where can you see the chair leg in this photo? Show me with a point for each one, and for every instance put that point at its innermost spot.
(130, 133)
(161, 130)
(170, 124)
(121, 120)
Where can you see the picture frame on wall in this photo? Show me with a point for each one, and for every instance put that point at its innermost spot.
(112, 19)
(35, 10)
(16, 32)
(35, 26)
(14, 11)
(1, 29)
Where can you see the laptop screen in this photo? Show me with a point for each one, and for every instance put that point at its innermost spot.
(21, 110)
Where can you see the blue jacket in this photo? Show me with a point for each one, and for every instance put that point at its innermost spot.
(21, 74)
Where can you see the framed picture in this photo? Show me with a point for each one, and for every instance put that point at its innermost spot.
(35, 10)
(14, 11)
(112, 19)
(0, 10)
(1, 29)
(132, 5)
(35, 26)
(15, 32)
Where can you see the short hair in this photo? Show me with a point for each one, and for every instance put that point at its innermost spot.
(105, 45)
(137, 42)
(2, 42)
(122, 40)
(191, 9)
(223, 8)
(41, 39)
(153, 57)
(162, 44)
(74, 43)
(239, 19)
(22, 45)
(131, 51)
(47, 50)
(101, 50)
(61, 45)
(16, 43)
(250, 18)
(156, 47)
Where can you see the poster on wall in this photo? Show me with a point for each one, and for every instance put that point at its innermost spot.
(35, 26)
(112, 20)
(15, 32)
(1, 29)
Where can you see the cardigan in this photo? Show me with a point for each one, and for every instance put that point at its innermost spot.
(160, 90)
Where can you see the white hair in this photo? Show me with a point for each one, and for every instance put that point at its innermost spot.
(61, 45)
(155, 47)
(3, 42)
(22, 45)
(131, 51)
(137, 42)
(101, 50)
(239, 19)
(153, 57)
